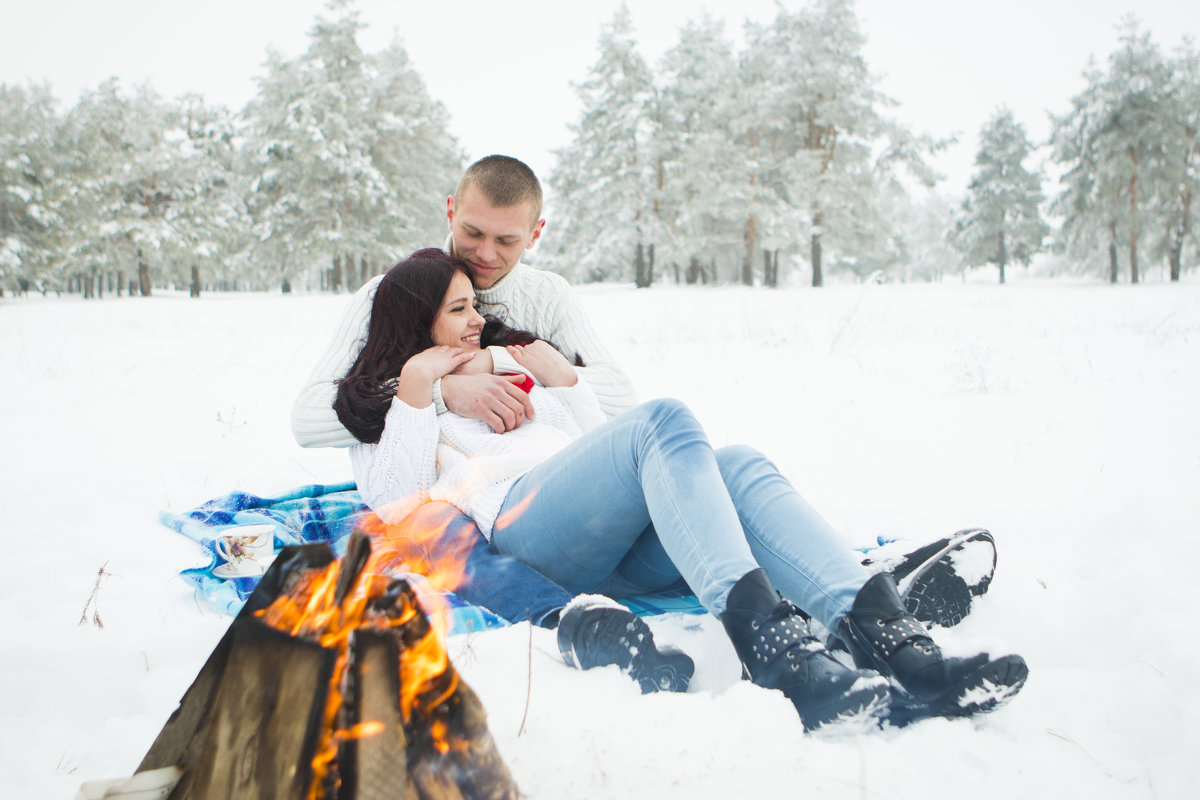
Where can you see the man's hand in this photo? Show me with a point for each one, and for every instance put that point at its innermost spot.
(493, 399)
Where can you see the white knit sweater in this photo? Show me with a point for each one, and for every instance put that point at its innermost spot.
(423, 455)
(527, 298)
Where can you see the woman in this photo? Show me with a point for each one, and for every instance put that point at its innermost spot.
(635, 505)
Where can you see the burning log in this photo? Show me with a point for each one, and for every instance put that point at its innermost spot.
(331, 683)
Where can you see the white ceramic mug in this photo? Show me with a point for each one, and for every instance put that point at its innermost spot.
(246, 549)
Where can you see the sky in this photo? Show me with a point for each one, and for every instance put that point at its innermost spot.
(505, 70)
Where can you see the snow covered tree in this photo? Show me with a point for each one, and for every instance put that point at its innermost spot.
(29, 185)
(1115, 143)
(818, 136)
(1001, 217)
(121, 158)
(605, 182)
(703, 176)
(1183, 160)
(413, 152)
(924, 222)
(352, 156)
(209, 214)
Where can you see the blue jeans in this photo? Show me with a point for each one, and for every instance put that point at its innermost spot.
(644, 500)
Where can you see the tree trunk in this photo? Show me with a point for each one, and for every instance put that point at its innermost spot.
(144, 286)
(1112, 252)
(1133, 257)
(1175, 250)
(641, 270)
(751, 236)
(770, 268)
(818, 277)
(1001, 255)
(335, 279)
(195, 288)
(1133, 223)
(120, 282)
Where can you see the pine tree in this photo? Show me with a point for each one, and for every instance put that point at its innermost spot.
(1115, 144)
(819, 140)
(1001, 219)
(209, 216)
(121, 158)
(29, 185)
(1183, 159)
(605, 182)
(702, 176)
(352, 157)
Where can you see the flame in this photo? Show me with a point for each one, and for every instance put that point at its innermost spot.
(424, 543)
(362, 730)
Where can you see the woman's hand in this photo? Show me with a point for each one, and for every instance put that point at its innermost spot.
(549, 366)
(435, 362)
(415, 384)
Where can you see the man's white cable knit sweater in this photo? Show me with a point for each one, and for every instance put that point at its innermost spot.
(527, 298)
(462, 461)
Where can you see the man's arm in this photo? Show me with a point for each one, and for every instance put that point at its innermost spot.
(570, 329)
(314, 423)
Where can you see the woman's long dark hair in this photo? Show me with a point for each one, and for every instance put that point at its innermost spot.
(405, 305)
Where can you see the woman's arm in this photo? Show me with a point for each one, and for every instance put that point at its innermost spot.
(395, 475)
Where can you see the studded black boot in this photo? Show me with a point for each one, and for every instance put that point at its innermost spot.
(778, 651)
(881, 634)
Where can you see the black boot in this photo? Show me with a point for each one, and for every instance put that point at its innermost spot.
(595, 631)
(881, 634)
(777, 651)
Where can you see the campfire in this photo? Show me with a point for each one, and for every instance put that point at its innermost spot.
(331, 683)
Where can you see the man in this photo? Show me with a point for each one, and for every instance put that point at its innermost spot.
(494, 217)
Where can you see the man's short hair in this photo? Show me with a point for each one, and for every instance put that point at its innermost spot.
(505, 182)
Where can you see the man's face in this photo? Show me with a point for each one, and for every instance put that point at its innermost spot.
(490, 238)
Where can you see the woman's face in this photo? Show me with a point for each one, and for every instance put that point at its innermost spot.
(458, 324)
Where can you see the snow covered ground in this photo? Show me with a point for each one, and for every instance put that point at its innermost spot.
(1062, 416)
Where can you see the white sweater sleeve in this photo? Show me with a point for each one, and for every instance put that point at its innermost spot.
(314, 423)
(567, 326)
(394, 476)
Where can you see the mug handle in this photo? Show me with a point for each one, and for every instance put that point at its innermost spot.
(222, 547)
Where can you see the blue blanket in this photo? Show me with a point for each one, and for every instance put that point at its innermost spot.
(330, 513)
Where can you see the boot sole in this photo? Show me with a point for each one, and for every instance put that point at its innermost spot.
(934, 592)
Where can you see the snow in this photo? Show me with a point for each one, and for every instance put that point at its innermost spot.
(1060, 415)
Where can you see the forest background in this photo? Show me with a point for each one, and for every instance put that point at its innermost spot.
(764, 155)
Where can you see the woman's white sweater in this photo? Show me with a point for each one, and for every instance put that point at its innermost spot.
(423, 455)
